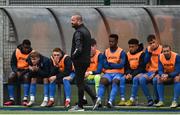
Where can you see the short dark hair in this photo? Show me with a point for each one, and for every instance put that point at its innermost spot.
(57, 50)
(93, 42)
(26, 42)
(166, 46)
(151, 37)
(34, 54)
(133, 41)
(114, 36)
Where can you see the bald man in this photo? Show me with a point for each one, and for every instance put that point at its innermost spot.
(80, 54)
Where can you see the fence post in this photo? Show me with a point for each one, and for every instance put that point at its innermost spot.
(1, 57)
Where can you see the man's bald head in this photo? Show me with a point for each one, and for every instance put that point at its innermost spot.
(76, 20)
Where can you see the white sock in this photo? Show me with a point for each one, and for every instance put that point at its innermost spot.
(51, 98)
(45, 98)
(123, 99)
(11, 98)
(25, 98)
(67, 99)
(132, 99)
(32, 98)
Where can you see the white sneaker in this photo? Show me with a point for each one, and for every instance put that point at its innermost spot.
(30, 104)
(76, 108)
(44, 104)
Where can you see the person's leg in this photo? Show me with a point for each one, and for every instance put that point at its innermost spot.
(46, 92)
(97, 80)
(67, 88)
(80, 70)
(115, 83)
(176, 92)
(122, 91)
(155, 91)
(26, 85)
(52, 90)
(32, 91)
(11, 80)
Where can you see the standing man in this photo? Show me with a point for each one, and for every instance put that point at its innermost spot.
(19, 71)
(80, 54)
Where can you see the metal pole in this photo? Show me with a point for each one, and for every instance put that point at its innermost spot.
(1, 57)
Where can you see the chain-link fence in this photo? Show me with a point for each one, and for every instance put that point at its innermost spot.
(73, 2)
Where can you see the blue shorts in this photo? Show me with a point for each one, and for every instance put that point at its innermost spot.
(112, 76)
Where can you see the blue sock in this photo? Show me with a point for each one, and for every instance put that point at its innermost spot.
(134, 89)
(122, 87)
(26, 89)
(33, 89)
(176, 91)
(113, 92)
(52, 89)
(101, 90)
(11, 90)
(46, 89)
(67, 88)
(155, 88)
(144, 87)
(160, 88)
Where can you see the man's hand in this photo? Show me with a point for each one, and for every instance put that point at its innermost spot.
(55, 61)
(19, 74)
(34, 68)
(164, 77)
(88, 73)
(128, 76)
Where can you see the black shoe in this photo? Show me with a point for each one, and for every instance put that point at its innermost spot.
(156, 101)
(85, 102)
(150, 103)
(109, 105)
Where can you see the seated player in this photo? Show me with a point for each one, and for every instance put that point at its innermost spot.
(19, 71)
(134, 68)
(168, 71)
(61, 69)
(114, 61)
(39, 67)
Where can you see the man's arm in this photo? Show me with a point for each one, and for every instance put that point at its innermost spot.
(147, 56)
(160, 67)
(177, 68)
(100, 65)
(78, 45)
(121, 64)
(45, 70)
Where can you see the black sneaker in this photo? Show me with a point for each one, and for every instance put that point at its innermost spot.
(109, 105)
(156, 101)
(84, 102)
(150, 103)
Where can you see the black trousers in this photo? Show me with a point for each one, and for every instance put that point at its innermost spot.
(80, 69)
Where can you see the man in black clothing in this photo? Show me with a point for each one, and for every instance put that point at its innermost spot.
(80, 54)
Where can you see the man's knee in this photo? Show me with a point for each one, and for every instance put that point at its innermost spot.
(12, 78)
(177, 78)
(116, 81)
(104, 81)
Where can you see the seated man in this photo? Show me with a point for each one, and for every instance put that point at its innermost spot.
(114, 61)
(151, 60)
(134, 67)
(94, 70)
(168, 71)
(61, 68)
(20, 71)
(39, 67)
